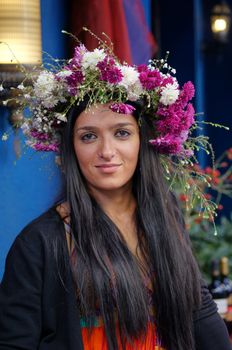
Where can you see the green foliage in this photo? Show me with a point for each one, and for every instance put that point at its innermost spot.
(206, 188)
(208, 246)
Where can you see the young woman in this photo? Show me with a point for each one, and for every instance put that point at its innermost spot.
(110, 267)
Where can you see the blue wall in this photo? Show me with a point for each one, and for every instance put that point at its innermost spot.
(34, 183)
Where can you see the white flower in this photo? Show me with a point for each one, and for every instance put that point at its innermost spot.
(134, 91)
(64, 73)
(21, 87)
(5, 137)
(130, 76)
(5, 103)
(29, 143)
(91, 59)
(38, 120)
(1, 88)
(46, 128)
(50, 103)
(58, 160)
(60, 117)
(25, 127)
(169, 94)
(45, 81)
(44, 88)
(48, 90)
(184, 135)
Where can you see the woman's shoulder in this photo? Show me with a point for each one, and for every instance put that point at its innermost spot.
(39, 244)
(46, 227)
(208, 306)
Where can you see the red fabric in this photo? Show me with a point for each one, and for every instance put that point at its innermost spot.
(143, 44)
(101, 16)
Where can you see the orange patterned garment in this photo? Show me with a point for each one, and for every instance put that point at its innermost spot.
(97, 339)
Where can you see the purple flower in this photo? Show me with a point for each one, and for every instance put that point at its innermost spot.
(74, 80)
(184, 135)
(75, 63)
(112, 75)
(174, 119)
(39, 135)
(52, 147)
(108, 71)
(188, 153)
(79, 52)
(150, 79)
(167, 144)
(122, 108)
(108, 61)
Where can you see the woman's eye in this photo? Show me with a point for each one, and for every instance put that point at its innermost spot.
(122, 133)
(88, 137)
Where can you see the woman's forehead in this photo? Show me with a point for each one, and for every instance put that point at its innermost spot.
(101, 116)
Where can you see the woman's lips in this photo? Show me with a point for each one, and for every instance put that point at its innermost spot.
(108, 168)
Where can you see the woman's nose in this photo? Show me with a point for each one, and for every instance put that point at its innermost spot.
(106, 149)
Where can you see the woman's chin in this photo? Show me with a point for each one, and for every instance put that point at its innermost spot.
(109, 185)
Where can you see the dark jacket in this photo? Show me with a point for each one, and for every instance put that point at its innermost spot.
(38, 308)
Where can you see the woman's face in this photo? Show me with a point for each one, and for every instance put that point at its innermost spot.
(107, 147)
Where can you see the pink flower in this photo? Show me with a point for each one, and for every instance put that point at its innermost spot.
(150, 79)
(167, 144)
(174, 119)
(184, 135)
(142, 68)
(169, 120)
(167, 80)
(123, 108)
(188, 116)
(187, 93)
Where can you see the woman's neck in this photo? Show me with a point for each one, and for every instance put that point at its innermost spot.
(120, 206)
(116, 204)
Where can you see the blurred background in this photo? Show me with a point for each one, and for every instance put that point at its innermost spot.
(197, 33)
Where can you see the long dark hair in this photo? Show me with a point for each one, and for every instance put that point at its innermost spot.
(107, 274)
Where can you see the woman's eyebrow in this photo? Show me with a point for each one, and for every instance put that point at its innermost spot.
(119, 125)
(94, 127)
(87, 127)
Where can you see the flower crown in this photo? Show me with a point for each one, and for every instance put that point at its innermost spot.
(99, 76)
